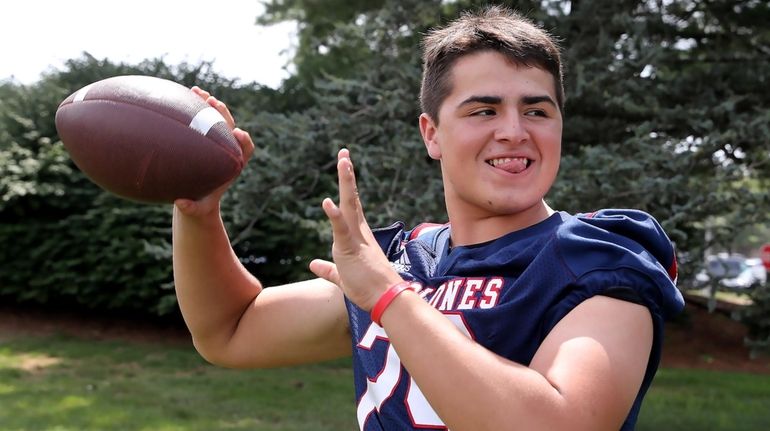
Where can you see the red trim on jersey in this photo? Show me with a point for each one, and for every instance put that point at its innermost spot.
(376, 338)
(411, 416)
(422, 226)
(673, 270)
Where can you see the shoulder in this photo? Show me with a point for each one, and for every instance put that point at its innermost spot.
(614, 233)
(621, 248)
(392, 238)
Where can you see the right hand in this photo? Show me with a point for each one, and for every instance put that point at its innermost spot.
(210, 203)
(360, 268)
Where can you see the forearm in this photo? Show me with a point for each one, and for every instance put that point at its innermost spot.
(213, 288)
(470, 387)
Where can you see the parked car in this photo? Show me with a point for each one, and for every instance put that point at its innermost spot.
(758, 268)
(733, 272)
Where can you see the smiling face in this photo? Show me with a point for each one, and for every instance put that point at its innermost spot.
(499, 142)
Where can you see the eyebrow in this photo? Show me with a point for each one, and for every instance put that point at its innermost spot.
(496, 100)
(484, 100)
(534, 100)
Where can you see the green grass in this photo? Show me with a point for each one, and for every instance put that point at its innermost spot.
(61, 383)
(705, 401)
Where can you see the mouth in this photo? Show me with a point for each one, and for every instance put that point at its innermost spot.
(513, 165)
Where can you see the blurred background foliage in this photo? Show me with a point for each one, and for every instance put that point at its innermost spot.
(667, 111)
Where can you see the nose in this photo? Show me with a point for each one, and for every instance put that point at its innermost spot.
(511, 128)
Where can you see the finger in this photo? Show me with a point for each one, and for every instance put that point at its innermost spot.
(343, 154)
(223, 109)
(244, 139)
(350, 201)
(216, 104)
(344, 243)
(326, 270)
(340, 228)
(203, 94)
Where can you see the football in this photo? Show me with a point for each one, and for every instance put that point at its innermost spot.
(148, 139)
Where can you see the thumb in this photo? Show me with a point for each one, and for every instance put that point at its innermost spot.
(185, 206)
(193, 208)
(201, 207)
(326, 270)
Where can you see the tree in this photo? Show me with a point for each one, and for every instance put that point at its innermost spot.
(680, 128)
(65, 241)
(374, 113)
(658, 117)
(666, 111)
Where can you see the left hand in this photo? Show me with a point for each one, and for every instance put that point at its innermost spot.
(360, 268)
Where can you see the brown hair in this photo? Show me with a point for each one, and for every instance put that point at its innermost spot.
(494, 28)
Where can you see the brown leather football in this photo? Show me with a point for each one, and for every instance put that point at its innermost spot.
(148, 139)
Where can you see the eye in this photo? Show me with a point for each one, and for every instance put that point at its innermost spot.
(536, 113)
(485, 112)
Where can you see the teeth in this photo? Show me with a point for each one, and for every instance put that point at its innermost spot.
(498, 162)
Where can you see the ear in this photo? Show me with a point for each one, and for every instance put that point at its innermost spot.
(429, 132)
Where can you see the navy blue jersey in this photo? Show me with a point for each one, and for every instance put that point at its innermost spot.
(507, 295)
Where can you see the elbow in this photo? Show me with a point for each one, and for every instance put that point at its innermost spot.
(224, 355)
(216, 354)
(212, 354)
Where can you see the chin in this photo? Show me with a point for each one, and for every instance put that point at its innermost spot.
(509, 207)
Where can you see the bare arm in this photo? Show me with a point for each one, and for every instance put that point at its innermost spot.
(584, 376)
(233, 320)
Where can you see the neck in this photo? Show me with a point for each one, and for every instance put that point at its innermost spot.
(469, 228)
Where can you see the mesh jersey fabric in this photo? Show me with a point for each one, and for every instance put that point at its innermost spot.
(507, 294)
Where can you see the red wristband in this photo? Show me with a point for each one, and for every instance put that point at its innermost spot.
(387, 298)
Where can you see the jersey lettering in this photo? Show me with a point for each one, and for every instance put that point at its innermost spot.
(491, 293)
(425, 292)
(381, 387)
(450, 294)
(472, 287)
(439, 293)
(467, 290)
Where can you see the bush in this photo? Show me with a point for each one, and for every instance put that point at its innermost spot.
(757, 318)
(114, 255)
(65, 241)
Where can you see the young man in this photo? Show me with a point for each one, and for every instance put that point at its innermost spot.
(512, 316)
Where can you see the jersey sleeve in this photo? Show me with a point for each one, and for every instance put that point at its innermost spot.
(620, 253)
(624, 254)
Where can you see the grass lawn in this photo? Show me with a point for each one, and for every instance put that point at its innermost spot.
(705, 401)
(62, 383)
